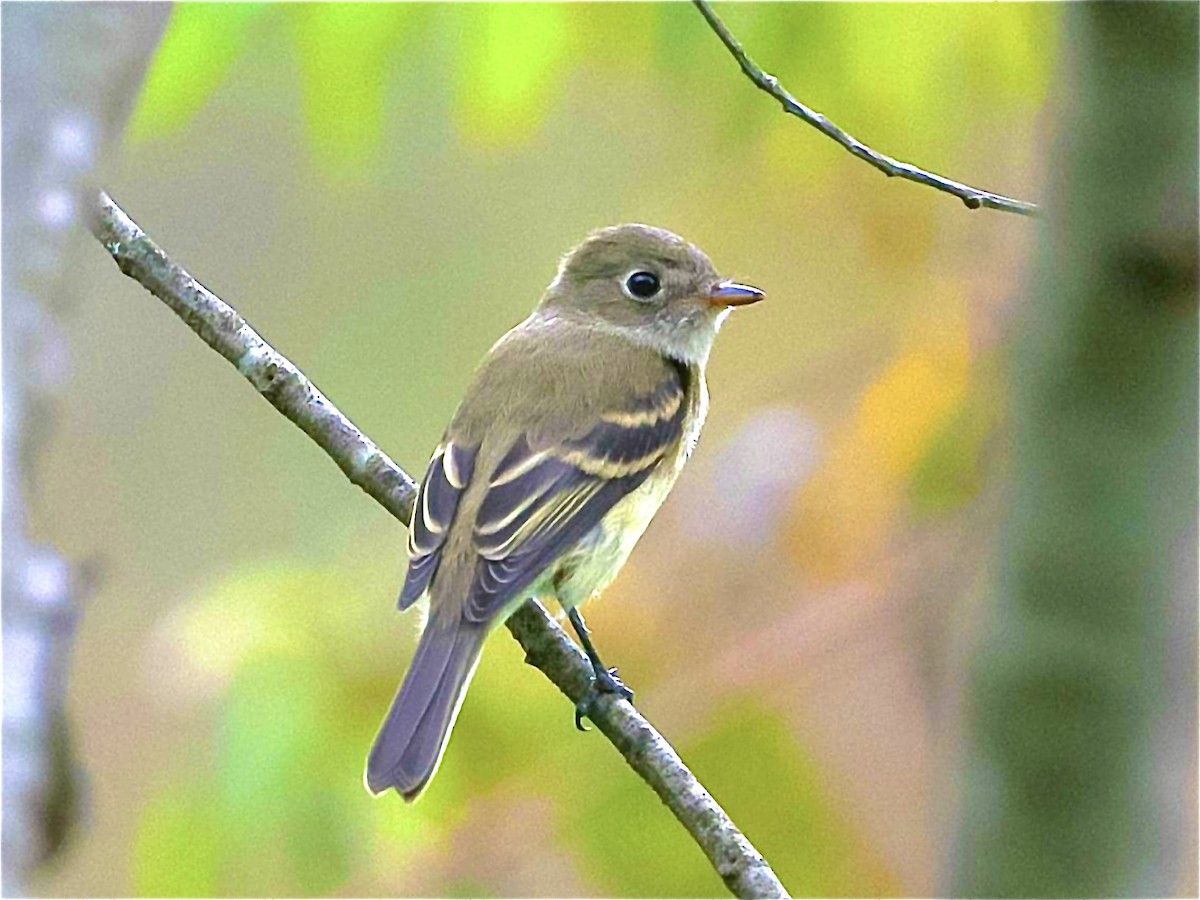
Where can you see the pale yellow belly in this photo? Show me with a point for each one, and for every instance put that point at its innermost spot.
(595, 561)
(589, 567)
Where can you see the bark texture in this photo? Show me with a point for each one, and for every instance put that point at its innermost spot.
(1081, 674)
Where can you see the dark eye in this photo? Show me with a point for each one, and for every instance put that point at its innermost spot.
(642, 285)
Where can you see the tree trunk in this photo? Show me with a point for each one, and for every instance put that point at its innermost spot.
(1079, 671)
(70, 75)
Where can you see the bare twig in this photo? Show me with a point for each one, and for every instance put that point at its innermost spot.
(546, 646)
(972, 197)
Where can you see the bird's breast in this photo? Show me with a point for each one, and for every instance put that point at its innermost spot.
(591, 565)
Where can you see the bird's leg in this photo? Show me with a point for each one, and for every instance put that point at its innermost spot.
(606, 680)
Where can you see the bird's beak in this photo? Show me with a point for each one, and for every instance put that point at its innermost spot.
(730, 293)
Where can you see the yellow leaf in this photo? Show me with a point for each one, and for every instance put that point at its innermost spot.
(842, 518)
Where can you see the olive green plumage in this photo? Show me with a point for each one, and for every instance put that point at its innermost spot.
(574, 429)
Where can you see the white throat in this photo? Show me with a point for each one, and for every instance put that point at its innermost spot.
(689, 340)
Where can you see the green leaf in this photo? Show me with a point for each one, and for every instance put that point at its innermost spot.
(281, 768)
(200, 44)
(632, 846)
(284, 791)
(770, 786)
(628, 843)
(345, 52)
(953, 470)
(1013, 67)
(509, 68)
(178, 847)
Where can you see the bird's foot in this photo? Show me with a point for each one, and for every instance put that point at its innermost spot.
(604, 682)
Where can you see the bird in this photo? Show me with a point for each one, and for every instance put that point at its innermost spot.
(573, 430)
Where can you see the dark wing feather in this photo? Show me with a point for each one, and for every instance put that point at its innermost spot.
(540, 502)
(448, 474)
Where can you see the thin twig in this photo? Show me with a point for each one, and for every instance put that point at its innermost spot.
(546, 646)
(972, 197)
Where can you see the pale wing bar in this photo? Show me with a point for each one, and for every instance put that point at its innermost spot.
(448, 474)
(541, 502)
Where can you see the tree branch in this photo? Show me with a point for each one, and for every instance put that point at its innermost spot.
(972, 197)
(546, 646)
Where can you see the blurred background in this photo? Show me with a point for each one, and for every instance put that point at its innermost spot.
(383, 190)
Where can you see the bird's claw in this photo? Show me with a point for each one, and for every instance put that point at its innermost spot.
(607, 682)
(604, 682)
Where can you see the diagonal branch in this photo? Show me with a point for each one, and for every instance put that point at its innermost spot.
(546, 646)
(974, 198)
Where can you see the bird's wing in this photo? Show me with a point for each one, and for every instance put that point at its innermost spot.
(448, 474)
(541, 500)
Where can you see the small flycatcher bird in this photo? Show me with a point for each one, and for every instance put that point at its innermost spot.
(573, 431)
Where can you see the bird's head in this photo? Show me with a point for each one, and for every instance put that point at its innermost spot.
(648, 284)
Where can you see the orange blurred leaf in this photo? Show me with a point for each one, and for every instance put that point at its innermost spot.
(841, 519)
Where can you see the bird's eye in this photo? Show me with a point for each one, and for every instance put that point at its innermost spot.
(642, 285)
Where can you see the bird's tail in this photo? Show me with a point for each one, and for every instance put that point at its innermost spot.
(413, 737)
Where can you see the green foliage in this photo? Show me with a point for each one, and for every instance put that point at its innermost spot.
(280, 806)
(626, 841)
(201, 43)
(778, 796)
(464, 123)
(511, 61)
(953, 469)
(767, 783)
(280, 763)
(345, 52)
(179, 849)
(508, 64)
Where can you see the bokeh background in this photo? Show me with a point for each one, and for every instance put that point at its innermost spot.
(383, 190)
